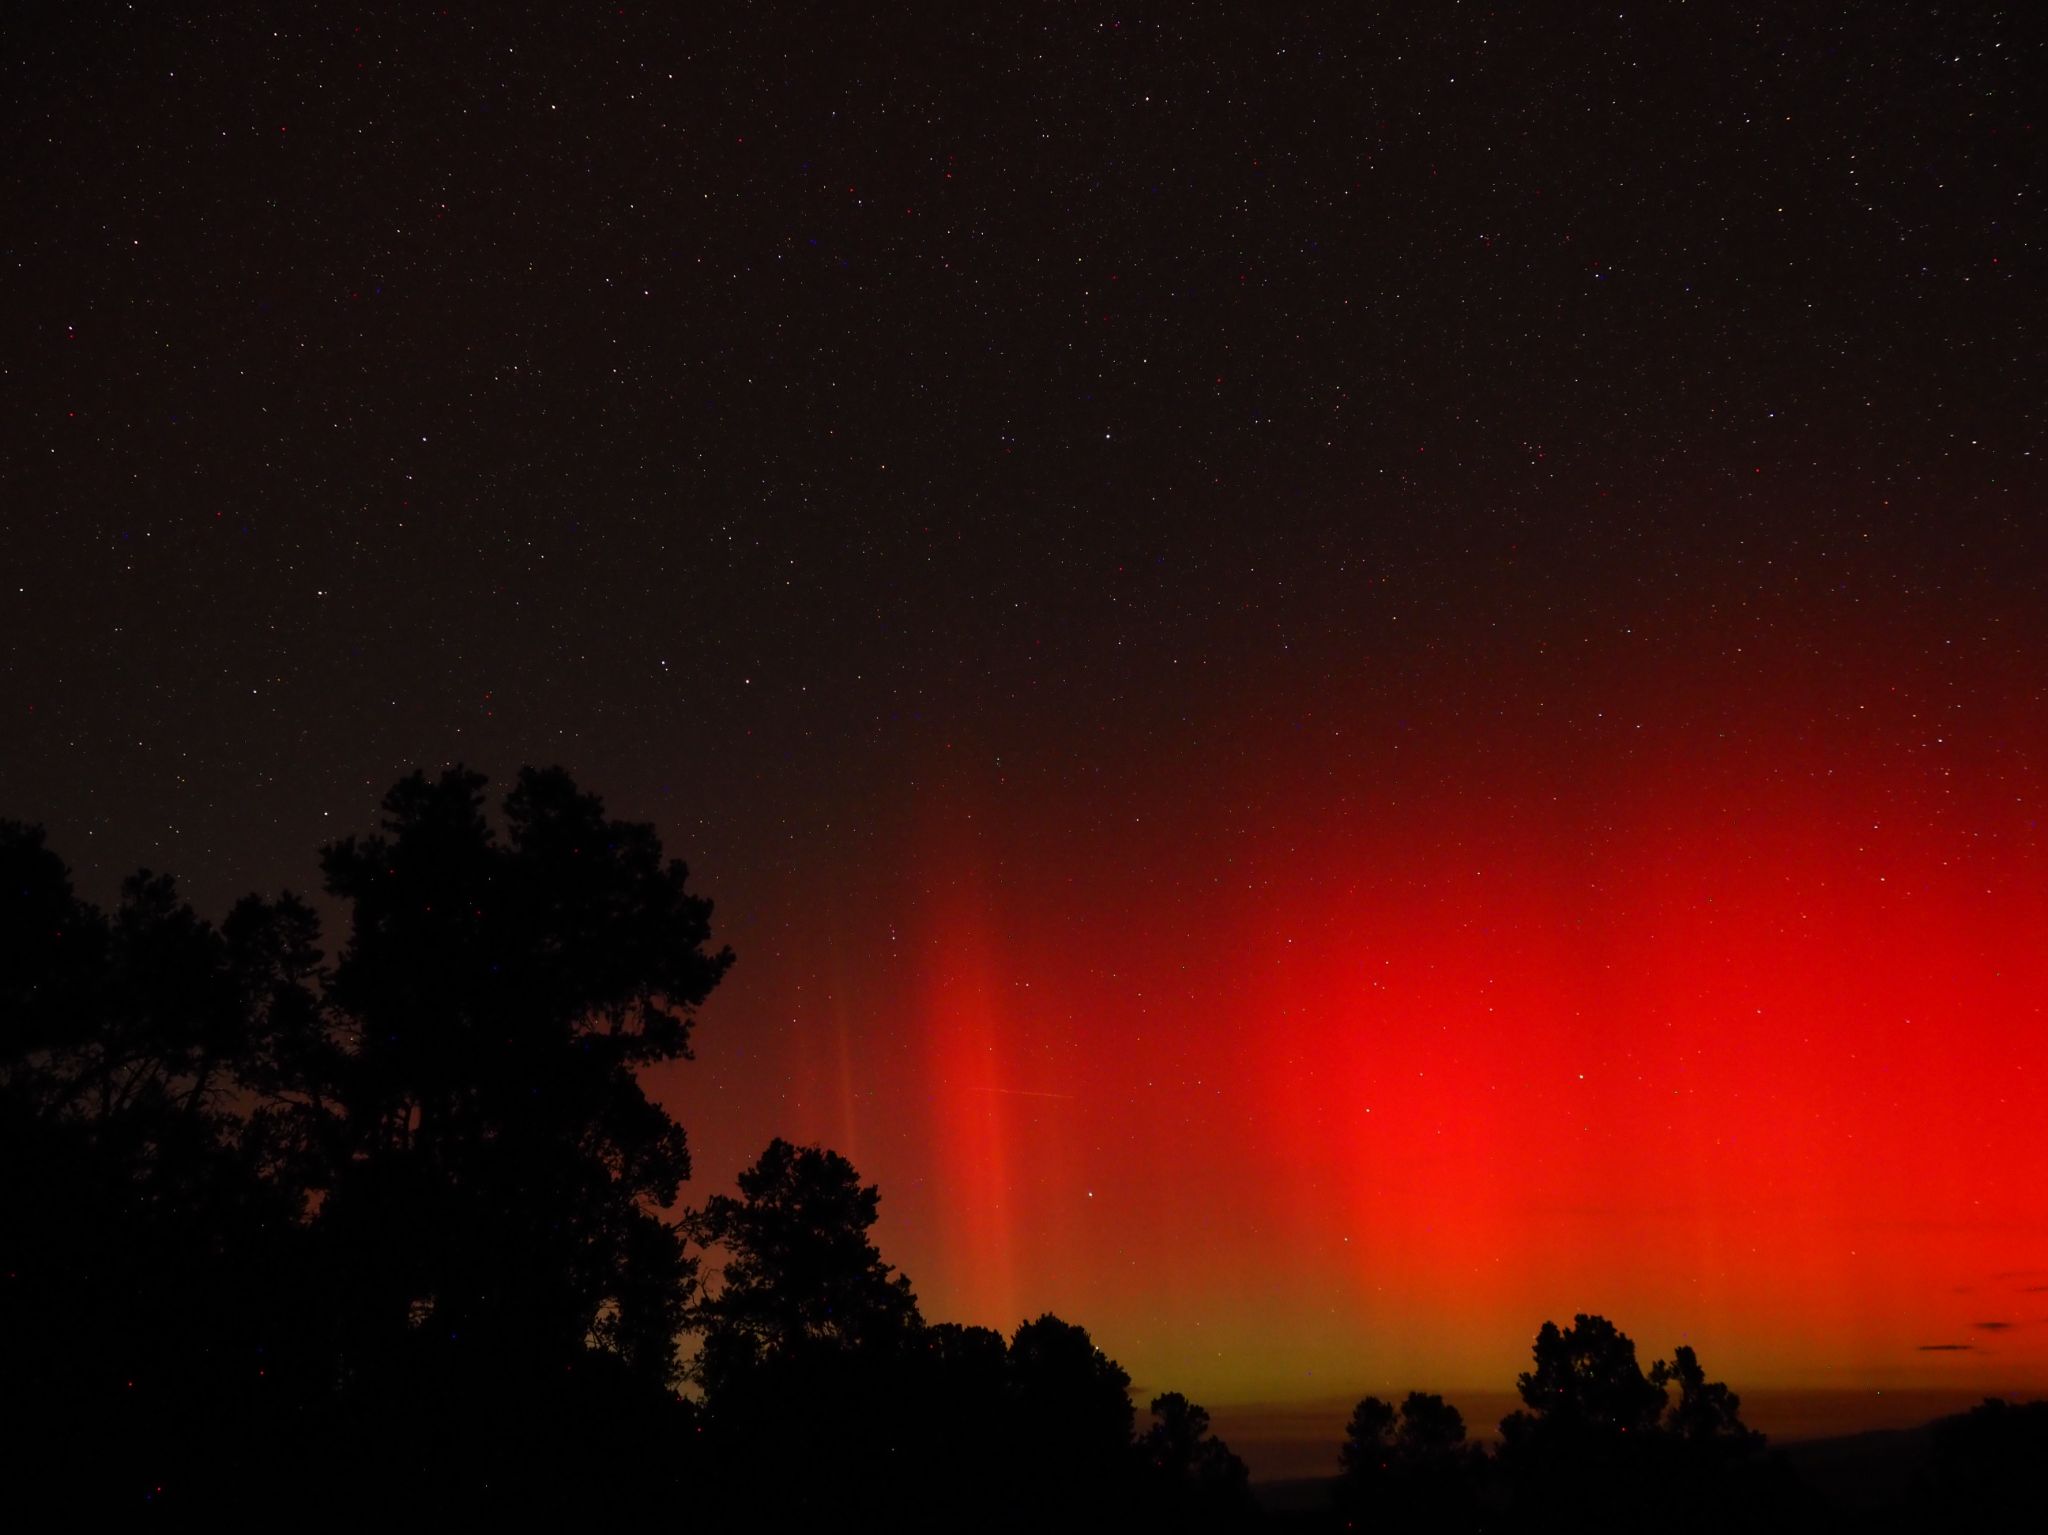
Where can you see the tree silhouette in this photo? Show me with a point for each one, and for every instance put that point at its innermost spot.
(1598, 1440)
(1078, 1393)
(494, 1221)
(1578, 1454)
(1426, 1430)
(801, 1273)
(405, 1215)
(1411, 1465)
(1196, 1481)
(831, 1400)
(149, 1262)
(1070, 1422)
(1369, 1439)
(816, 1367)
(952, 1430)
(505, 1170)
(1586, 1382)
(51, 946)
(1706, 1414)
(1432, 1430)
(398, 1228)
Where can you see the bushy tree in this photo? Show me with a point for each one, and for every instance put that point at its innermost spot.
(1705, 1414)
(830, 1400)
(149, 1250)
(1410, 1464)
(1195, 1480)
(1586, 1383)
(405, 1216)
(801, 1273)
(813, 1358)
(1598, 1440)
(506, 1173)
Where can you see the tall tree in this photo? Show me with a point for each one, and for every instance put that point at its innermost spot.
(506, 1173)
(801, 1272)
(1705, 1414)
(407, 1215)
(1581, 1454)
(825, 1392)
(1586, 1381)
(1071, 1419)
(1196, 1481)
(146, 1326)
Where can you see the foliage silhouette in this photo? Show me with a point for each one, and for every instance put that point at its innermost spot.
(1197, 1482)
(1706, 1413)
(1586, 1385)
(148, 1254)
(404, 1212)
(494, 1220)
(810, 1359)
(1072, 1420)
(1598, 1440)
(801, 1274)
(830, 1400)
(394, 1232)
(1411, 1465)
(501, 997)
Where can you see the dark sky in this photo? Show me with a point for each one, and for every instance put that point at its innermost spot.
(921, 455)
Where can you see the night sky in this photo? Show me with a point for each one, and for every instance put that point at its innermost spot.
(1345, 683)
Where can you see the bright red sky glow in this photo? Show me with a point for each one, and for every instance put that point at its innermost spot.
(1338, 1052)
(1347, 677)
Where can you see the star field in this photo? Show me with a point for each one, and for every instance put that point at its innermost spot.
(1172, 572)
